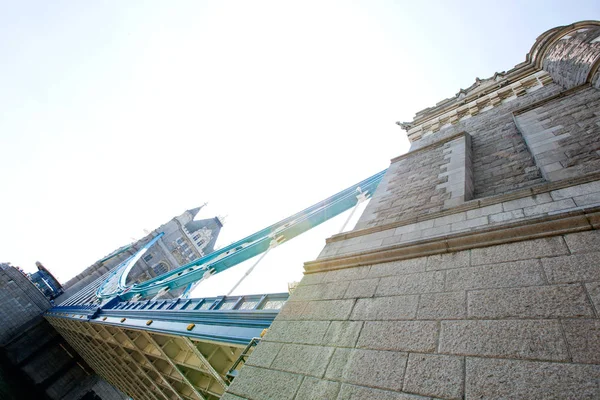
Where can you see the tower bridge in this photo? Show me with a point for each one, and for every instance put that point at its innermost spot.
(472, 273)
(183, 348)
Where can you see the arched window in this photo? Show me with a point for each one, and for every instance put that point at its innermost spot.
(160, 268)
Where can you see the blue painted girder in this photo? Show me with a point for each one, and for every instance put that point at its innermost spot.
(223, 319)
(254, 244)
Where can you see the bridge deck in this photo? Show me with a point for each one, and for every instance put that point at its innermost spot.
(167, 349)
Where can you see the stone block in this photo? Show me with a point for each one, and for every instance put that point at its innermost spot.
(311, 279)
(574, 268)
(587, 199)
(381, 369)
(545, 247)
(552, 167)
(583, 242)
(313, 388)
(418, 336)
(593, 289)
(303, 359)
(362, 288)
(457, 199)
(342, 333)
(292, 310)
(451, 305)
(459, 259)
(385, 308)
(329, 250)
(483, 211)
(395, 240)
(354, 392)
(554, 301)
(398, 267)
(468, 224)
(264, 354)
(436, 231)
(449, 219)
(549, 207)
(229, 396)
(488, 378)
(321, 291)
(530, 339)
(583, 337)
(424, 282)
(377, 235)
(347, 274)
(305, 332)
(526, 201)
(259, 383)
(435, 375)
(511, 274)
(574, 191)
(406, 237)
(359, 247)
(413, 227)
(507, 216)
(328, 310)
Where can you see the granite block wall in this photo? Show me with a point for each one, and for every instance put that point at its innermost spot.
(501, 160)
(571, 58)
(20, 302)
(517, 320)
(36, 352)
(423, 182)
(562, 134)
(412, 185)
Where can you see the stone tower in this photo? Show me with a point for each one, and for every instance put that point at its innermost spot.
(184, 240)
(474, 272)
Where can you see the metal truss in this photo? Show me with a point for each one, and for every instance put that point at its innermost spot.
(167, 349)
(148, 365)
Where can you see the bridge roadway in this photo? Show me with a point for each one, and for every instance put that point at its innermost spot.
(167, 349)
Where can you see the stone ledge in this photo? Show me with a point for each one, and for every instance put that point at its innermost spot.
(471, 205)
(549, 225)
(564, 93)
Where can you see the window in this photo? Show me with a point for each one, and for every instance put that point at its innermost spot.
(180, 241)
(160, 268)
(148, 257)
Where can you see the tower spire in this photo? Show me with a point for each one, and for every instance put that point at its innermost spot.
(195, 211)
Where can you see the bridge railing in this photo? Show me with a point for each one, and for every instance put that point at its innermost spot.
(228, 319)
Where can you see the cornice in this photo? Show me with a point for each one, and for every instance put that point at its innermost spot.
(486, 92)
(545, 226)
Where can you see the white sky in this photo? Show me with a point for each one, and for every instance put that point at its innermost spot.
(117, 116)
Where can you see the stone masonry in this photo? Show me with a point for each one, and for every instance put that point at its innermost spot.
(35, 352)
(474, 271)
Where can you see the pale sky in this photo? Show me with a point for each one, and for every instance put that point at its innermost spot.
(116, 116)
